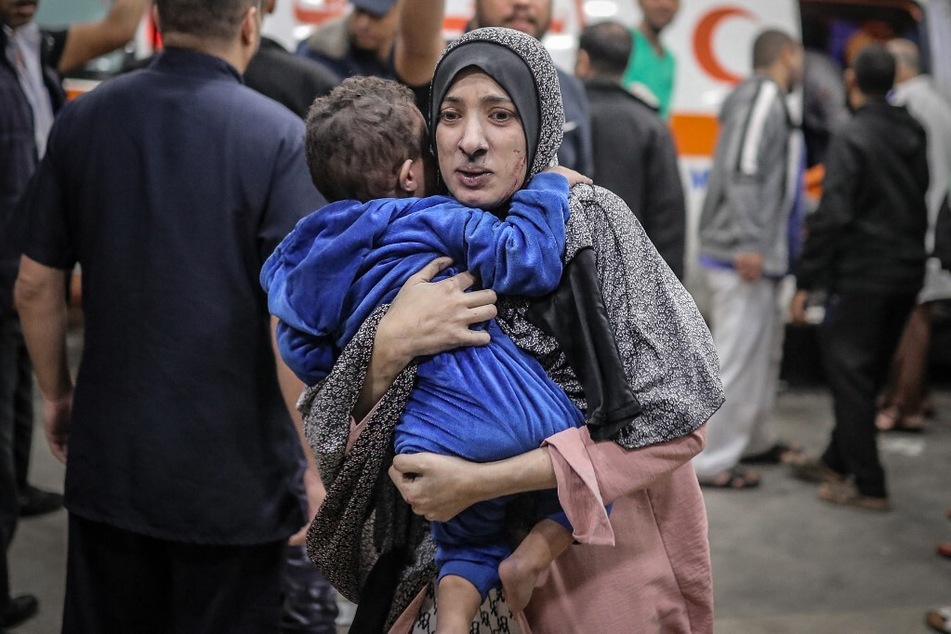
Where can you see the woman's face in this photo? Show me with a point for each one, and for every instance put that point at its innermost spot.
(480, 142)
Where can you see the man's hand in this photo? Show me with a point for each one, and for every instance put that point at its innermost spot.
(749, 265)
(315, 491)
(437, 487)
(574, 178)
(797, 307)
(56, 415)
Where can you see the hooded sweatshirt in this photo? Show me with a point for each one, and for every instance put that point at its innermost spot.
(868, 233)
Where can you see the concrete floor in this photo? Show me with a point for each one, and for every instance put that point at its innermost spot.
(783, 561)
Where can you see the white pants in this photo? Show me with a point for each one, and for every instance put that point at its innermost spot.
(747, 332)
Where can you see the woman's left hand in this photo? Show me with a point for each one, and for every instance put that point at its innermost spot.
(437, 487)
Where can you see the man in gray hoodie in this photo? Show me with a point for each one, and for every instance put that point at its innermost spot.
(744, 252)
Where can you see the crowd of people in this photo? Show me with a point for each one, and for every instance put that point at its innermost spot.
(404, 319)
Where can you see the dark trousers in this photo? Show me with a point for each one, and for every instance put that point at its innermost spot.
(119, 581)
(16, 429)
(310, 602)
(858, 338)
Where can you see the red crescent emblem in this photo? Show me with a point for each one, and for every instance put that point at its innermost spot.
(703, 42)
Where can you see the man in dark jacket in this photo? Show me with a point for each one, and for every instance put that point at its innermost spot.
(634, 153)
(865, 247)
(286, 78)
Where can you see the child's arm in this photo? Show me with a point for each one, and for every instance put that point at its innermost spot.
(518, 255)
(522, 253)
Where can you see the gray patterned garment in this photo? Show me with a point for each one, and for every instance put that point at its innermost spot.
(664, 343)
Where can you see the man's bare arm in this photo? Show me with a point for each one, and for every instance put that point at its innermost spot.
(89, 40)
(419, 41)
(291, 388)
(425, 318)
(40, 296)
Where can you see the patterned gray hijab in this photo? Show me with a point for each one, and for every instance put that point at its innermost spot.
(524, 69)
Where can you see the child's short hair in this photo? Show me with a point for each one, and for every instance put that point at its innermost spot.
(359, 135)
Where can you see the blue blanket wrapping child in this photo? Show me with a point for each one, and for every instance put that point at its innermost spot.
(481, 403)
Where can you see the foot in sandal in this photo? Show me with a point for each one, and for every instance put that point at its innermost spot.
(847, 494)
(733, 478)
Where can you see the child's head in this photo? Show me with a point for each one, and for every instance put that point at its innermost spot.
(362, 139)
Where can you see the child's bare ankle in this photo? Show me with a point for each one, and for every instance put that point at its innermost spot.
(518, 575)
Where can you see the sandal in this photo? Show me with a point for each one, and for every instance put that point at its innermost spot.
(733, 478)
(939, 620)
(891, 419)
(780, 453)
(813, 470)
(846, 494)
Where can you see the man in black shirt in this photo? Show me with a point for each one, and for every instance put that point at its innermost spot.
(634, 153)
(170, 186)
(287, 78)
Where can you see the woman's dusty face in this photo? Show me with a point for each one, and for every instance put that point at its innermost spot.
(480, 142)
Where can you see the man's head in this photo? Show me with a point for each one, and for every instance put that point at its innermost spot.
(230, 29)
(778, 55)
(366, 140)
(658, 14)
(528, 16)
(871, 75)
(907, 59)
(16, 13)
(603, 51)
(373, 24)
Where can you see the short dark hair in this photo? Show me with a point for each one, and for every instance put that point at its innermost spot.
(212, 19)
(768, 46)
(359, 135)
(874, 69)
(608, 45)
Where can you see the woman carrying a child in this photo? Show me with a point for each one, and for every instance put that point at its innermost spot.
(644, 567)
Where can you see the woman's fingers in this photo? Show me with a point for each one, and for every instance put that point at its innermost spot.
(431, 270)
(428, 318)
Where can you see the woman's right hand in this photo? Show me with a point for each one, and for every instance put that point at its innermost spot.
(425, 318)
(429, 317)
(574, 178)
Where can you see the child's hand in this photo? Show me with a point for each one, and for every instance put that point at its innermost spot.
(574, 178)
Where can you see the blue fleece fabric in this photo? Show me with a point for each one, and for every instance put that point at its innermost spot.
(480, 403)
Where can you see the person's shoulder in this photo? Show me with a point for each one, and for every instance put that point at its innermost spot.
(618, 98)
(569, 83)
(329, 41)
(277, 71)
(108, 94)
(267, 114)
